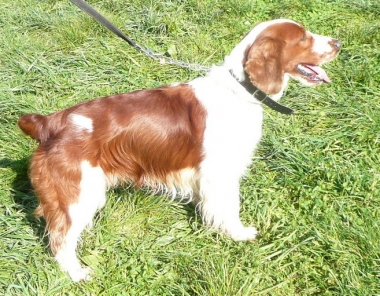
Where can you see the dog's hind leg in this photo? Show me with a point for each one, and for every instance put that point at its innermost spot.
(68, 202)
(91, 198)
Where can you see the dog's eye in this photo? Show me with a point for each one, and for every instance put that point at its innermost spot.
(304, 37)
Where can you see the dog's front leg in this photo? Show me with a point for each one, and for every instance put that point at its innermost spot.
(220, 206)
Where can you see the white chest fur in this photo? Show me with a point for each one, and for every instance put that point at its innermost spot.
(233, 123)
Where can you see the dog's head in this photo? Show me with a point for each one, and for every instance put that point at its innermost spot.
(276, 50)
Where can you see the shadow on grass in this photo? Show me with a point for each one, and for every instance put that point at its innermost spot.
(137, 195)
(22, 192)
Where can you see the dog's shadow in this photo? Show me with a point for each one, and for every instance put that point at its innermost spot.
(22, 192)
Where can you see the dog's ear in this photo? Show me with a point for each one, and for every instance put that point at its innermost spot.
(264, 64)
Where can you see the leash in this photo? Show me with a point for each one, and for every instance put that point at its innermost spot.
(83, 5)
(257, 93)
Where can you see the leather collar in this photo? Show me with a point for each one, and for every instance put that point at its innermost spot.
(264, 98)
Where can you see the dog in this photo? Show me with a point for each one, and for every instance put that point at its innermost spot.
(193, 140)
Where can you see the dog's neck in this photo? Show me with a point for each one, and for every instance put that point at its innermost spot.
(261, 96)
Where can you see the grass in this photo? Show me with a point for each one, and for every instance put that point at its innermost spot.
(313, 190)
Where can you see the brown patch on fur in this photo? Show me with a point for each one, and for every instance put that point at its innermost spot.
(161, 131)
(55, 179)
(142, 135)
(265, 64)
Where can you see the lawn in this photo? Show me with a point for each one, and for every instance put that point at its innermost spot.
(313, 189)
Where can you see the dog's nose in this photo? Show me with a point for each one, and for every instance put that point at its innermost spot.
(337, 44)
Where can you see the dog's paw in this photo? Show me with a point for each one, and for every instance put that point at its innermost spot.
(81, 274)
(244, 234)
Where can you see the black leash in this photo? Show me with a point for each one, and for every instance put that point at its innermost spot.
(101, 19)
(83, 5)
(257, 93)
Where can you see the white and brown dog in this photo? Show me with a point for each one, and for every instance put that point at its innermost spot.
(194, 140)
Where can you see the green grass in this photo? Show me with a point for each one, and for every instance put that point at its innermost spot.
(313, 190)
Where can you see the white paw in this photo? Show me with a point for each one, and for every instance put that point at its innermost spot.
(244, 234)
(80, 274)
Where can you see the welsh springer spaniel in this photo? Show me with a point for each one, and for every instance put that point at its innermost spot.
(193, 140)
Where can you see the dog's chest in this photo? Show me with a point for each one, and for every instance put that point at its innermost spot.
(232, 112)
(233, 122)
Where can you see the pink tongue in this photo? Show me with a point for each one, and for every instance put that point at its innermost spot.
(321, 73)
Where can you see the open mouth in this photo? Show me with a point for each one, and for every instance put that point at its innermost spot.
(313, 73)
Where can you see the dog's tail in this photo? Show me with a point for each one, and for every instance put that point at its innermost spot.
(37, 126)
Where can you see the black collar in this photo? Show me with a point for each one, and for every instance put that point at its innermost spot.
(264, 98)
